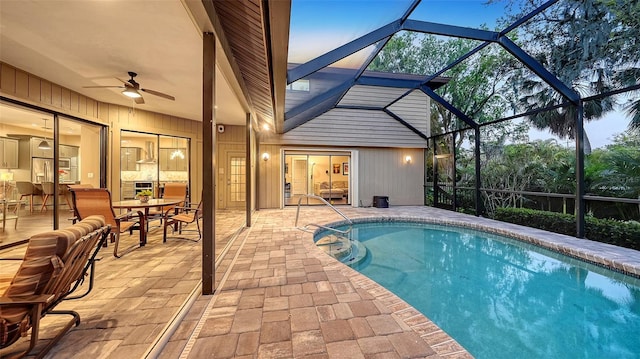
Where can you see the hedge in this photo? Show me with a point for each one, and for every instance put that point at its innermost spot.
(623, 234)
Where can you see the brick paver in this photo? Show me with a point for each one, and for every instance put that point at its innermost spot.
(282, 297)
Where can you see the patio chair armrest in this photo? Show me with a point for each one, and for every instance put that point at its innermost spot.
(27, 299)
(128, 215)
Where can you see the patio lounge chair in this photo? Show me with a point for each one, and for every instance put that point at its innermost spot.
(92, 201)
(54, 266)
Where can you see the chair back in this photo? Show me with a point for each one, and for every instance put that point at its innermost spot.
(175, 191)
(48, 187)
(26, 188)
(94, 201)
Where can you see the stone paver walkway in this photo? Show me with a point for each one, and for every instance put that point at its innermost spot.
(279, 296)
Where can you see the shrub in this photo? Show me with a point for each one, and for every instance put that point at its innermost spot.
(623, 234)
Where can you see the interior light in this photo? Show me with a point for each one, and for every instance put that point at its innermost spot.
(265, 127)
(407, 159)
(265, 156)
(131, 92)
(177, 153)
(44, 145)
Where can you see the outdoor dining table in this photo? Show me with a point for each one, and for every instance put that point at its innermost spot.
(137, 204)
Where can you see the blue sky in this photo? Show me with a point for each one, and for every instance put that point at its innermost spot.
(318, 26)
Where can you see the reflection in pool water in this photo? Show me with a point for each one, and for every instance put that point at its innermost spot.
(501, 298)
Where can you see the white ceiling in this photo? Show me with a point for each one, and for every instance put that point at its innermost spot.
(90, 43)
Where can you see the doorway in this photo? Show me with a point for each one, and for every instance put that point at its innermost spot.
(236, 192)
(325, 175)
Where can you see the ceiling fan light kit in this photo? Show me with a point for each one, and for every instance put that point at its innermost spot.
(131, 92)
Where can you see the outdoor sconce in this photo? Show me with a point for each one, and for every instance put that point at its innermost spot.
(407, 159)
(265, 156)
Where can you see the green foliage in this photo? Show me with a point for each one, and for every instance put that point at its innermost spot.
(473, 87)
(623, 234)
(590, 45)
(615, 169)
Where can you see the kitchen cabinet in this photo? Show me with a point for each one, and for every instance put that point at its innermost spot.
(66, 151)
(37, 152)
(129, 157)
(127, 190)
(8, 153)
(177, 163)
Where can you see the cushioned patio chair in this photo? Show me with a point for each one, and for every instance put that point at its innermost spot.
(179, 216)
(92, 201)
(171, 191)
(54, 266)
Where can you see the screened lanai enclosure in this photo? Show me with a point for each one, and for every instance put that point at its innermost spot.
(533, 104)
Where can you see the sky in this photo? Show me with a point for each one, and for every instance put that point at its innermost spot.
(319, 26)
(600, 132)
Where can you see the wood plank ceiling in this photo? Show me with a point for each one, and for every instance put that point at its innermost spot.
(246, 26)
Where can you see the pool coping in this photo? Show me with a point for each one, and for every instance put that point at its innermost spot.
(615, 258)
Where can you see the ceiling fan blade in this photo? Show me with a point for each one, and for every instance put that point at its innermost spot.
(163, 95)
(139, 100)
(123, 81)
(102, 87)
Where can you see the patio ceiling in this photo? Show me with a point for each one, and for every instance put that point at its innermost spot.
(77, 44)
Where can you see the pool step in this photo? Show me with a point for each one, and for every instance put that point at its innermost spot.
(343, 249)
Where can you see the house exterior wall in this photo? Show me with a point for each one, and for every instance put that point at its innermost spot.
(384, 172)
(361, 128)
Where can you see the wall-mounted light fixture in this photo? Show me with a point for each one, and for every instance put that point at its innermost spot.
(407, 159)
(265, 156)
(265, 127)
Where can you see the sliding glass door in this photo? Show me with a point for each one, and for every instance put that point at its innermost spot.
(309, 176)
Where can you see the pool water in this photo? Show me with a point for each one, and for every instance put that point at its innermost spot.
(502, 298)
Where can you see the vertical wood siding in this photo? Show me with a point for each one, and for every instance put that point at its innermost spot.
(269, 190)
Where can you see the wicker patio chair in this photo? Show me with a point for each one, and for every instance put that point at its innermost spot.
(92, 201)
(54, 266)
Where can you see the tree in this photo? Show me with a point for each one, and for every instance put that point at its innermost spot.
(590, 45)
(475, 86)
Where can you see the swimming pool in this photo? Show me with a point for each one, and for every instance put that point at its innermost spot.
(502, 298)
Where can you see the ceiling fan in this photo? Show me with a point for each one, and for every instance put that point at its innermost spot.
(132, 88)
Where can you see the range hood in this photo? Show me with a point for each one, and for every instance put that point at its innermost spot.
(149, 150)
